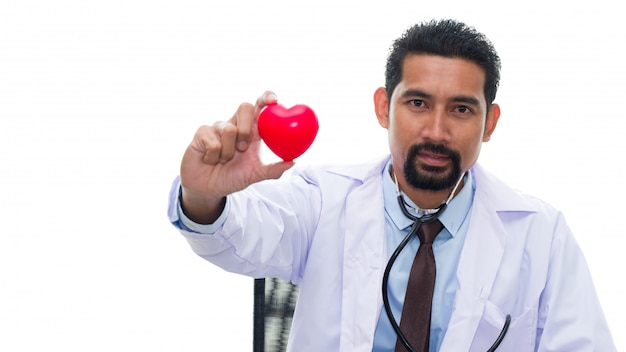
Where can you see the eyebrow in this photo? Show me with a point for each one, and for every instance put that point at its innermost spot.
(416, 93)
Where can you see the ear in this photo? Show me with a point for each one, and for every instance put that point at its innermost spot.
(381, 106)
(491, 121)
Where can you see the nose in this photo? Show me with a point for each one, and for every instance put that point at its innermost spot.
(435, 129)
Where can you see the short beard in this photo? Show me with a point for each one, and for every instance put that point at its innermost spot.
(431, 178)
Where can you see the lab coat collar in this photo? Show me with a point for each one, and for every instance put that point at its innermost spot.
(452, 218)
(500, 196)
(361, 172)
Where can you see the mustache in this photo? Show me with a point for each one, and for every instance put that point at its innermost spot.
(434, 148)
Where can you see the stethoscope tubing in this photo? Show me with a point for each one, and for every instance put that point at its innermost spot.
(417, 222)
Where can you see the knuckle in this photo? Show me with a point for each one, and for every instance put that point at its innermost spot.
(229, 130)
(213, 146)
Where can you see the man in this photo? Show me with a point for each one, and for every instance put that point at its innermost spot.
(506, 263)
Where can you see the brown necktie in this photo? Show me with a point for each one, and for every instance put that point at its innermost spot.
(416, 310)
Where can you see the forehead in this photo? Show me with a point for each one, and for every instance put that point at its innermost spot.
(442, 76)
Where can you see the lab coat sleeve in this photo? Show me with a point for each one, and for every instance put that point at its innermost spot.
(570, 317)
(182, 222)
(266, 232)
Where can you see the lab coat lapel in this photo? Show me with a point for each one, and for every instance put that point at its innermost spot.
(363, 264)
(478, 266)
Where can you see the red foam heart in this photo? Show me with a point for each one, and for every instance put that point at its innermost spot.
(288, 132)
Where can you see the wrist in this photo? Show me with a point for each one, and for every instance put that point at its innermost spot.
(200, 208)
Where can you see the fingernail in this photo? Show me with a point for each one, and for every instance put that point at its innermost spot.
(242, 145)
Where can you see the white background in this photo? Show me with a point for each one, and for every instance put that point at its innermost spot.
(98, 100)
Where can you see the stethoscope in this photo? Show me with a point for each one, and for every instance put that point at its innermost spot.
(428, 215)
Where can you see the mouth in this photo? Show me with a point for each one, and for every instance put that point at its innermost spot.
(433, 159)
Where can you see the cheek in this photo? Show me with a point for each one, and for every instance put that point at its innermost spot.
(403, 130)
(394, 130)
(471, 150)
(398, 141)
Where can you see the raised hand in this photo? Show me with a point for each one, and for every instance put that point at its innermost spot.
(222, 159)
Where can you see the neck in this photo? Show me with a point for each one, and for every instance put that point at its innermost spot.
(426, 199)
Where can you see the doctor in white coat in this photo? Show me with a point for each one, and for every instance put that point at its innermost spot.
(330, 229)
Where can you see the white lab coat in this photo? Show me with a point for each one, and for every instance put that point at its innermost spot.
(326, 233)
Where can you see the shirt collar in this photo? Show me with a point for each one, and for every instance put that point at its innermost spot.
(452, 217)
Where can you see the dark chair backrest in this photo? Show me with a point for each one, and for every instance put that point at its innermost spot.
(274, 303)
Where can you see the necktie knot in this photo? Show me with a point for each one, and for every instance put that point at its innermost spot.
(428, 231)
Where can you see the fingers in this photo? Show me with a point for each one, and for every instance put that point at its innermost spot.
(275, 170)
(223, 139)
(271, 171)
(224, 150)
(245, 120)
(266, 98)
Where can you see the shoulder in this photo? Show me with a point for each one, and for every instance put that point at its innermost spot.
(501, 197)
(356, 173)
(522, 216)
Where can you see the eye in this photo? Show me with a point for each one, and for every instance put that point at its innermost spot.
(463, 109)
(417, 103)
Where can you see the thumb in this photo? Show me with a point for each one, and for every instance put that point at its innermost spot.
(275, 170)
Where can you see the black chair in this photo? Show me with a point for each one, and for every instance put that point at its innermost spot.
(274, 303)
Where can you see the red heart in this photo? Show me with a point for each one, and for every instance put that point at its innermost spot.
(288, 132)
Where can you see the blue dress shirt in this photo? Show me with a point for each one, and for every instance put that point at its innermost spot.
(447, 248)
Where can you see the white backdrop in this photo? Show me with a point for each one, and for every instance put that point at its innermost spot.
(98, 100)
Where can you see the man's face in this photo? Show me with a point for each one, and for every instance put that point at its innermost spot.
(436, 119)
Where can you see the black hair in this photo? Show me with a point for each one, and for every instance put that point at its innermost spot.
(447, 38)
